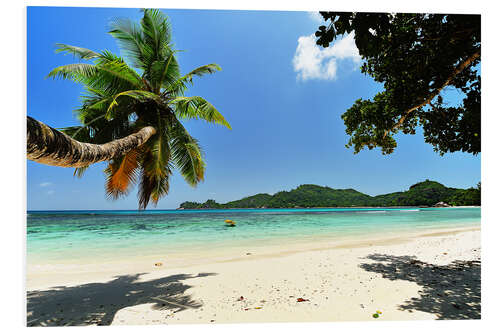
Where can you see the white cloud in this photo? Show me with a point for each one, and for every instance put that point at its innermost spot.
(51, 192)
(45, 184)
(316, 17)
(313, 62)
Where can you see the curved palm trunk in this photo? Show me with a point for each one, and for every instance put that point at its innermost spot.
(49, 146)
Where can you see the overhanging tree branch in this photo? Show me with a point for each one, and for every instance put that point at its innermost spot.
(436, 92)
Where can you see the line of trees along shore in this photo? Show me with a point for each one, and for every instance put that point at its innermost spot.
(426, 193)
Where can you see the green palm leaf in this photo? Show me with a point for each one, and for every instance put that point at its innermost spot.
(79, 52)
(80, 171)
(200, 71)
(114, 76)
(198, 108)
(156, 169)
(140, 95)
(156, 33)
(75, 72)
(130, 39)
(180, 86)
(186, 153)
(152, 188)
(163, 72)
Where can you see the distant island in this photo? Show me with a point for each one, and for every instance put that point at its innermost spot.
(427, 193)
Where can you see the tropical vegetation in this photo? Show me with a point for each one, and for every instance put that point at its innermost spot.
(144, 89)
(416, 57)
(426, 193)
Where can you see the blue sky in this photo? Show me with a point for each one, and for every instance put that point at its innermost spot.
(282, 95)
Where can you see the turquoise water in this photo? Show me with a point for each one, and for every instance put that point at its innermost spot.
(54, 235)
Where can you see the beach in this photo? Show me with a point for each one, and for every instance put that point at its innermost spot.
(410, 275)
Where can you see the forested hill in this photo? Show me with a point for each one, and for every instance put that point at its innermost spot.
(426, 193)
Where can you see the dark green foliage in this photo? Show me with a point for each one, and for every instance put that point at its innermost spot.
(189, 205)
(258, 200)
(470, 196)
(426, 193)
(314, 196)
(415, 56)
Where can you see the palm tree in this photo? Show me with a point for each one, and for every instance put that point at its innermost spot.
(49, 146)
(120, 102)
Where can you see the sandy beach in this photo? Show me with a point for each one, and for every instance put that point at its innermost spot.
(435, 275)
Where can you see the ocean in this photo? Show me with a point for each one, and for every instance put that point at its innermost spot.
(58, 236)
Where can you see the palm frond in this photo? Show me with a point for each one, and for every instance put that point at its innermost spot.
(116, 128)
(95, 104)
(121, 174)
(131, 41)
(186, 153)
(140, 95)
(159, 155)
(114, 76)
(200, 71)
(118, 75)
(152, 189)
(156, 170)
(198, 108)
(79, 133)
(180, 85)
(156, 32)
(100, 104)
(107, 56)
(78, 52)
(75, 72)
(163, 73)
(80, 171)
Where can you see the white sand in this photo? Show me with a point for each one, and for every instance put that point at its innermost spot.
(406, 277)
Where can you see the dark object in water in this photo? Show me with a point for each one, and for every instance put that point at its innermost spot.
(140, 227)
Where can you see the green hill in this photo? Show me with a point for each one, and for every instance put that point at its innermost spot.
(425, 193)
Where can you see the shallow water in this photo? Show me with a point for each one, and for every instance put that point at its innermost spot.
(58, 235)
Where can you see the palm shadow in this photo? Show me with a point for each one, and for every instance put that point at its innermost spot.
(97, 303)
(450, 292)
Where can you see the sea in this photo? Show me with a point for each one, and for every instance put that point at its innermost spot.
(58, 236)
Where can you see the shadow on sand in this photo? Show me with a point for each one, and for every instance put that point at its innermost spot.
(97, 303)
(450, 292)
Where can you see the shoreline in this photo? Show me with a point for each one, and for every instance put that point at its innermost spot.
(342, 282)
(256, 208)
(218, 252)
(336, 207)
